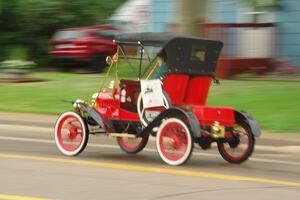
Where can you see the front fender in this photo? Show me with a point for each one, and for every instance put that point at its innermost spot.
(101, 121)
(250, 120)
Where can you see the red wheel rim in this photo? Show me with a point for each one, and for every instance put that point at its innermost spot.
(131, 144)
(241, 150)
(70, 133)
(173, 141)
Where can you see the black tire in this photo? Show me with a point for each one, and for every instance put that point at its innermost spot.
(98, 63)
(134, 150)
(236, 143)
(132, 145)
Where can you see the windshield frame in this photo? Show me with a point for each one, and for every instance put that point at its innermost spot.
(142, 52)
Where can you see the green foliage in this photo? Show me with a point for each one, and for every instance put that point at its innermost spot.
(17, 53)
(31, 23)
(262, 4)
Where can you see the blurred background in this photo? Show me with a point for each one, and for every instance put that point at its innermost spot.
(260, 59)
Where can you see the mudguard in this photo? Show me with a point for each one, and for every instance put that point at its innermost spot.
(175, 112)
(251, 121)
(108, 127)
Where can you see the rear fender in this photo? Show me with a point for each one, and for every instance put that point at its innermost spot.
(250, 120)
(178, 113)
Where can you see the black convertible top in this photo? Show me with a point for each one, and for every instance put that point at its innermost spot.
(183, 55)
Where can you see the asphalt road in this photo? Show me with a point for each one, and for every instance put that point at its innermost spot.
(31, 168)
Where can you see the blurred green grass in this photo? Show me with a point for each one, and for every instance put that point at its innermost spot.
(276, 105)
(46, 97)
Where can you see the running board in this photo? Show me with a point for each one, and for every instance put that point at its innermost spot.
(124, 135)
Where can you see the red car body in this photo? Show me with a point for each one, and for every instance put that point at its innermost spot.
(82, 46)
(179, 87)
(179, 120)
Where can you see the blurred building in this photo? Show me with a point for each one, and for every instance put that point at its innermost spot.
(268, 31)
(275, 28)
(133, 16)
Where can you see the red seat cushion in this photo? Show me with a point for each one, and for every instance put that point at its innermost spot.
(175, 85)
(197, 90)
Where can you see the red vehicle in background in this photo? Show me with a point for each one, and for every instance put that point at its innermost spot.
(82, 47)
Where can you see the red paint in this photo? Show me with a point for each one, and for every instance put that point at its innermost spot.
(128, 116)
(189, 90)
(108, 104)
(181, 88)
(197, 90)
(207, 115)
(175, 86)
(228, 135)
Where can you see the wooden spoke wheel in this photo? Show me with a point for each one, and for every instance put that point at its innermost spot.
(174, 141)
(71, 134)
(240, 147)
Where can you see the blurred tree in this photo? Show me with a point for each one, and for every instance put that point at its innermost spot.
(30, 24)
(192, 12)
(262, 4)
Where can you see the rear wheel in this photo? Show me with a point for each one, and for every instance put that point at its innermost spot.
(132, 145)
(71, 134)
(174, 141)
(240, 147)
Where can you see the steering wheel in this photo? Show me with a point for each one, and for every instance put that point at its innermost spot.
(147, 115)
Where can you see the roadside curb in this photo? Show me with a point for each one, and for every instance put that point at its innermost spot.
(28, 119)
(293, 149)
(291, 137)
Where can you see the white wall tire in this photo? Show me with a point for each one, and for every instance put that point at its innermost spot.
(174, 142)
(71, 133)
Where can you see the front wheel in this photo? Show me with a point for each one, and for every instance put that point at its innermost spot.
(71, 134)
(174, 141)
(240, 147)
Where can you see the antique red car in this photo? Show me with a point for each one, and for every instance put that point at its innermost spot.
(163, 95)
